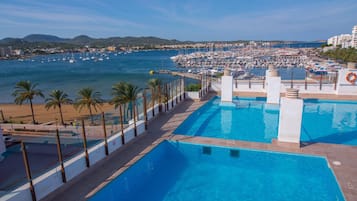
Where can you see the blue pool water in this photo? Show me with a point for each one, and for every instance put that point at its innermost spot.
(254, 120)
(182, 171)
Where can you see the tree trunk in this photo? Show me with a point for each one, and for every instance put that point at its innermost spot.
(61, 115)
(130, 106)
(33, 114)
(159, 97)
(125, 113)
(91, 115)
(134, 118)
(153, 101)
(121, 124)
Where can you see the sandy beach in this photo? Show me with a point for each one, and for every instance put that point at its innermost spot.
(22, 113)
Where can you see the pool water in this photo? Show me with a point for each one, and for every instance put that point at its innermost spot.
(183, 171)
(330, 122)
(251, 119)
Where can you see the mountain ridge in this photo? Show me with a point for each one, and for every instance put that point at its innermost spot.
(81, 40)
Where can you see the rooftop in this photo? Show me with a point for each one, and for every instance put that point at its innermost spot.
(341, 158)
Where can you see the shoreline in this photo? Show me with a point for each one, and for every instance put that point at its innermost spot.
(14, 113)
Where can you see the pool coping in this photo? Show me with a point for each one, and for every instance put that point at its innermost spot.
(161, 128)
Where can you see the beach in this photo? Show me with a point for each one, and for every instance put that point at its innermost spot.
(22, 113)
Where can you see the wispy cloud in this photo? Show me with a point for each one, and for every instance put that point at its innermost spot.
(184, 19)
(61, 17)
(290, 21)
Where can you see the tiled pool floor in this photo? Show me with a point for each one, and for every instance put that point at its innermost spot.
(161, 128)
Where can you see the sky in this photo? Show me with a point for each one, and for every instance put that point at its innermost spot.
(194, 20)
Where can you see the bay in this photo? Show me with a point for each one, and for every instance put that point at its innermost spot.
(52, 72)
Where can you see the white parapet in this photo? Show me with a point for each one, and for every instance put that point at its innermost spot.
(227, 89)
(290, 119)
(273, 90)
(346, 82)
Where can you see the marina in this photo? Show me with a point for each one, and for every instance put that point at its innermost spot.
(251, 63)
(245, 58)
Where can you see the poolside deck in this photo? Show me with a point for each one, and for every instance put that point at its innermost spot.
(162, 127)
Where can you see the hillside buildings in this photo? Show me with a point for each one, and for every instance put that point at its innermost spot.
(354, 37)
(344, 40)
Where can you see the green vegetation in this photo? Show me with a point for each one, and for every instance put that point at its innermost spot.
(326, 45)
(88, 98)
(341, 54)
(154, 86)
(47, 41)
(26, 91)
(57, 99)
(123, 93)
(193, 87)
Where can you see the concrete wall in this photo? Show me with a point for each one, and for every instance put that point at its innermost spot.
(290, 119)
(227, 89)
(343, 86)
(51, 180)
(273, 90)
(257, 86)
(194, 95)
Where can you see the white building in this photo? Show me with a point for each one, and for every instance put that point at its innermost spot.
(354, 37)
(332, 41)
(344, 40)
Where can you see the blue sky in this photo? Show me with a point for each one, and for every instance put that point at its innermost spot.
(195, 20)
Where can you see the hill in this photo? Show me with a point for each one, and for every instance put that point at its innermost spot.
(41, 41)
(43, 38)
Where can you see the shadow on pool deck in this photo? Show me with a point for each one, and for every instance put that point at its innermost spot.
(161, 128)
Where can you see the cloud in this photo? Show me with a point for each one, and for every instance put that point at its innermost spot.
(61, 17)
(185, 20)
(300, 21)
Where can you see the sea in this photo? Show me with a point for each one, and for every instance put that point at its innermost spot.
(53, 72)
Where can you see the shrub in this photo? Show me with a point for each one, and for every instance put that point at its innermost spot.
(193, 87)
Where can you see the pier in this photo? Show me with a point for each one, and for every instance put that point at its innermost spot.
(181, 74)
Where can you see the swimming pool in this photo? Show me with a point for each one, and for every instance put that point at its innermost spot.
(183, 171)
(254, 120)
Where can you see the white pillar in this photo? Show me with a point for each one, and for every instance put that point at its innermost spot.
(273, 82)
(290, 117)
(343, 85)
(227, 88)
(2, 143)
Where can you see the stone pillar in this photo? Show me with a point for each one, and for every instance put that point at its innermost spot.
(273, 82)
(343, 85)
(290, 117)
(2, 143)
(227, 87)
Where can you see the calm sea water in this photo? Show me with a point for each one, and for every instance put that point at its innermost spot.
(101, 75)
(51, 72)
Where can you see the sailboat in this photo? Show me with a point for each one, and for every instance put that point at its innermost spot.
(72, 60)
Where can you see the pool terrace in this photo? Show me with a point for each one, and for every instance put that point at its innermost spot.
(161, 128)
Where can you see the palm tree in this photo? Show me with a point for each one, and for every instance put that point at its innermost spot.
(124, 92)
(57, 99)
(88, 98)
(26, 91)
(154, 85)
